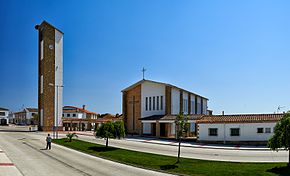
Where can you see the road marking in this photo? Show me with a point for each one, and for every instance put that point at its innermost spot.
(7, 164)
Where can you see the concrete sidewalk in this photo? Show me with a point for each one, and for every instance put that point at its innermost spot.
(7, 167)
(173, 142)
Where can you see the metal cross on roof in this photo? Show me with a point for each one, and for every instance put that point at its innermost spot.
(143, 70)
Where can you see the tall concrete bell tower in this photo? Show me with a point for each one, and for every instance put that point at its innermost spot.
(50, 77)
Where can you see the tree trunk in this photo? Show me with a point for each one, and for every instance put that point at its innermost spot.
(107, 141)
(178, 150)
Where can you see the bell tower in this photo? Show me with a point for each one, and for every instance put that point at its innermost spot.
(50, 77)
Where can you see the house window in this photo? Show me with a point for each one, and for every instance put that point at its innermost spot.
(68, 115)
(41, 49)
(212, 131)
(157, 103)
(185, 106)
(161, 102)
(235, 131)
(146, 104)
(149, 103)
(260, 130)
(41, 117)
(41, 84)
(74, 115)
(192, 107)
(199, 106)
(267, 130)
(153, 103)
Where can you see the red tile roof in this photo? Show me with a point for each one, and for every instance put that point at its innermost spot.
(240, 118)
(68, 120)
(69, 109)
(32, 109)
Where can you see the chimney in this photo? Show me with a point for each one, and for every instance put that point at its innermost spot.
(223, 112)
(84, 107)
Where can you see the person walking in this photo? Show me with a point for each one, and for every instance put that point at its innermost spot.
(48, 142)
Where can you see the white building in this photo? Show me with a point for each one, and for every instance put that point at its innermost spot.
(243, 128)
(4, 116)
(26, 116)
(78, 113)
(150, 108)
(79, 119)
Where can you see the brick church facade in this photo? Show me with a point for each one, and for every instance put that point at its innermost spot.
(150, 108)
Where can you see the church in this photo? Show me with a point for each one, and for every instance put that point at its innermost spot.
(150, 108)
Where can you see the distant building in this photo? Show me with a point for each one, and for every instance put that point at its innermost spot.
(150, 108)
(26, 117)
(50, 76)
(242, 128)
(80, 113)
(4, 116)
(77, 119)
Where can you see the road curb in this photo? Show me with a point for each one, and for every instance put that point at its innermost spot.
(116, 161)
(201, 147)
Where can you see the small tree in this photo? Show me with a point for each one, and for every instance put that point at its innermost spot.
(281, 137)
(71, 135)
(181, 128)
(35, 119)
(111, 130)
(119, 129)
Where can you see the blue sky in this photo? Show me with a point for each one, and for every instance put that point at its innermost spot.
(236, 53)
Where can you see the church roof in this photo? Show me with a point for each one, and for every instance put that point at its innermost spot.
(156, 82)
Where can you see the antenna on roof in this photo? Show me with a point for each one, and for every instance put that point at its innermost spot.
(279, 108)
(143, 70)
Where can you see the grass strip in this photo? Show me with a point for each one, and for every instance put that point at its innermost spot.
(167, 163)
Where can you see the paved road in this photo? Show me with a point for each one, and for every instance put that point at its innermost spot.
(24, 150)
(197, 153)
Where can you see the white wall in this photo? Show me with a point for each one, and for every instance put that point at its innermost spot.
(29, 115)
(248, 132)
(175, 101)
(173, 128)
(58, 75)
(80, 115)
(6, 114)
(149, 89)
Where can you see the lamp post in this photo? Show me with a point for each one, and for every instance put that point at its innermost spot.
(56, 118)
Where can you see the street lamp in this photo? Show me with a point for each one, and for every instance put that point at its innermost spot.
(57, 86)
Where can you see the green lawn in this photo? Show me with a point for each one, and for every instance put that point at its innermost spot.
(167, 163)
